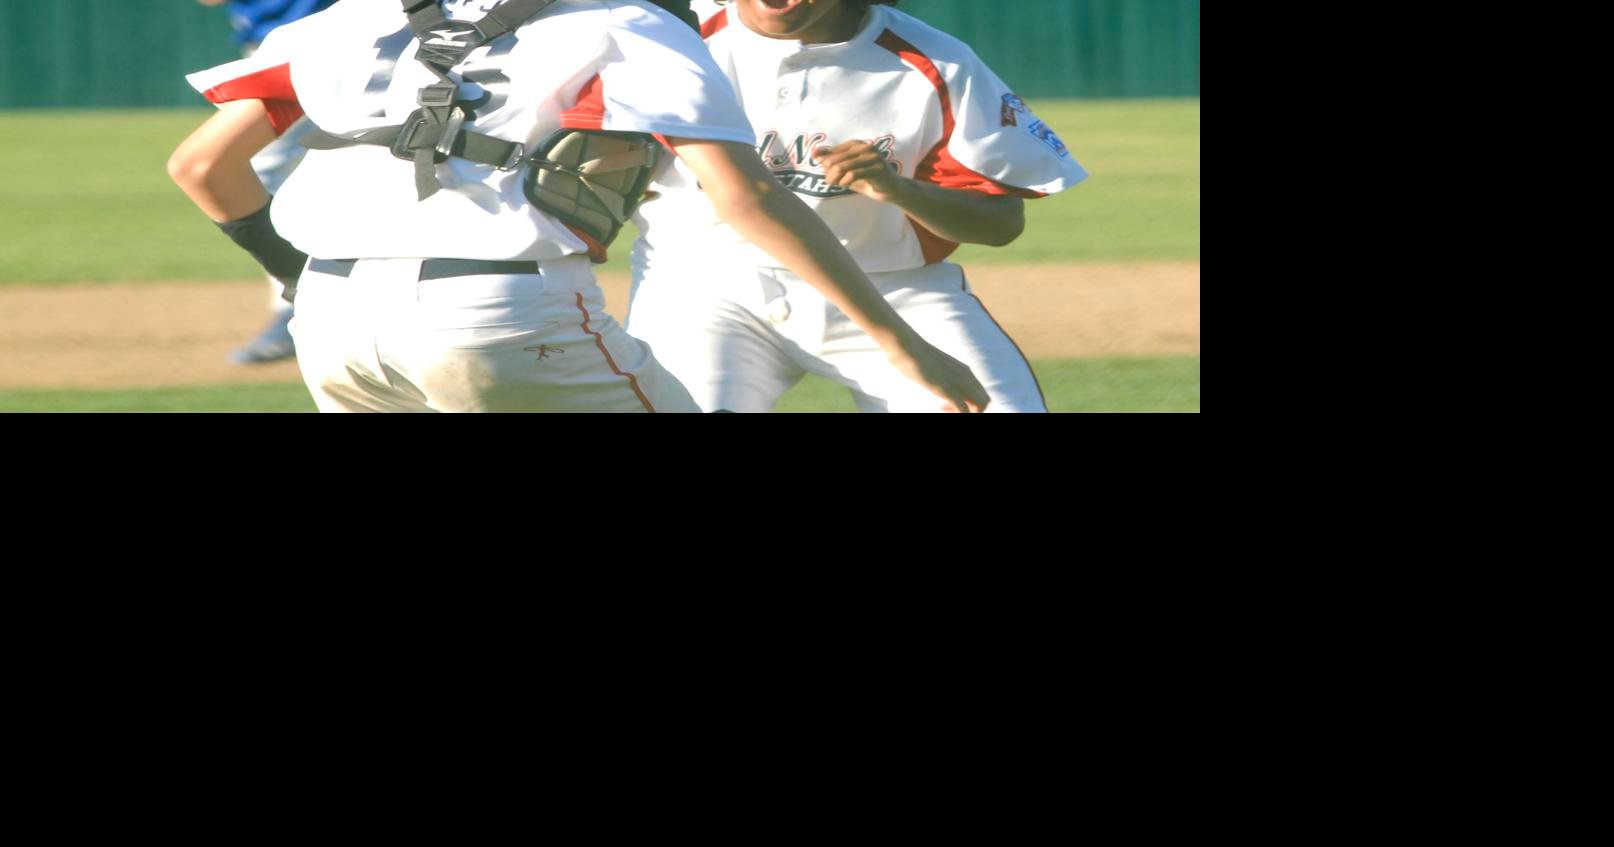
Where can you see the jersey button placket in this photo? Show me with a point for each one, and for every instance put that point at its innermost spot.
(790, 80)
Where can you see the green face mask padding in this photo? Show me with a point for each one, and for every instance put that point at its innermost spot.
(592, 180)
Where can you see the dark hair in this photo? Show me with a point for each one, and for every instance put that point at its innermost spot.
(680, 10)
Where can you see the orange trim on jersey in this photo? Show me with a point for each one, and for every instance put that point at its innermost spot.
(632, 380)
(951, 174)
(715, 24)
(596, 251)
(932, 246)
(922, 63)
(939, 167)
(589, 113)
(272, 86)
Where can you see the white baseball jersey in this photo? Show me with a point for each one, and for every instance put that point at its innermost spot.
(592, 64)
(918, 94)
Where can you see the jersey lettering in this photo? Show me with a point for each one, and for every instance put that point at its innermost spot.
(796, 164)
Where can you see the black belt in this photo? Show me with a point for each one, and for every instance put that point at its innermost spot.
(434, 268)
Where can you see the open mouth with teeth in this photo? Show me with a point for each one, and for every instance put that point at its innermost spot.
(780, 8)
(819, 21)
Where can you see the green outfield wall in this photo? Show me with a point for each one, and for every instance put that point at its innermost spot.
(87, 53)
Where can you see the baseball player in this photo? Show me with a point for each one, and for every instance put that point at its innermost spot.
(906, 145)
(472, 158)
(253, 20)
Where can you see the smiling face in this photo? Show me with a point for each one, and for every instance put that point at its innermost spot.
(810, 21)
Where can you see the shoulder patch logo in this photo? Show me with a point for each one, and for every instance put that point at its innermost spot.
(1013, 106)
(1044, 133)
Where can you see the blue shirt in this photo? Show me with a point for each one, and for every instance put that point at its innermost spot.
(253, 19)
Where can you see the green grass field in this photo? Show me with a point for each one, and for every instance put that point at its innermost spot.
(87, 198)
(1163, 384)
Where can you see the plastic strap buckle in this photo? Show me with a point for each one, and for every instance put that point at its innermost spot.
(517, 155)
(406, 135)
(451, 132)
(438, 96)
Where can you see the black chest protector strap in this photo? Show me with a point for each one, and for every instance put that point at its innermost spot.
(591, 180)
(436, 130)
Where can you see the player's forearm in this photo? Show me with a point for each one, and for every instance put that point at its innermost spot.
(214, 168)
(749, 198)
(214, 165)
(781, 224)
(963, 216)
(222, 192)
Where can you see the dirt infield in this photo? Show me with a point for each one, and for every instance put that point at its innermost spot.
(104, 335)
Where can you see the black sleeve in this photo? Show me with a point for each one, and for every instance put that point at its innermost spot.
(256, 234)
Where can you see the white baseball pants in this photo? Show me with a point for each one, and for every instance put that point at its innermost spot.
(739, 339)
(380, 339)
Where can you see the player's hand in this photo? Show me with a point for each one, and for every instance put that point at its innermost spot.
(861, 167)
(943, 375)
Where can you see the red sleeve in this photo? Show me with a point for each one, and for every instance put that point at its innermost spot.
(589, 113)
(715, 24)
(942, 169)
(272, 86)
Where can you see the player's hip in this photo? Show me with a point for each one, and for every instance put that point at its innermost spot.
(448, 280)
(458, 335)
(471, 302)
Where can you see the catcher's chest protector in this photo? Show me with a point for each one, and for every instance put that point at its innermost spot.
(591, 180)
